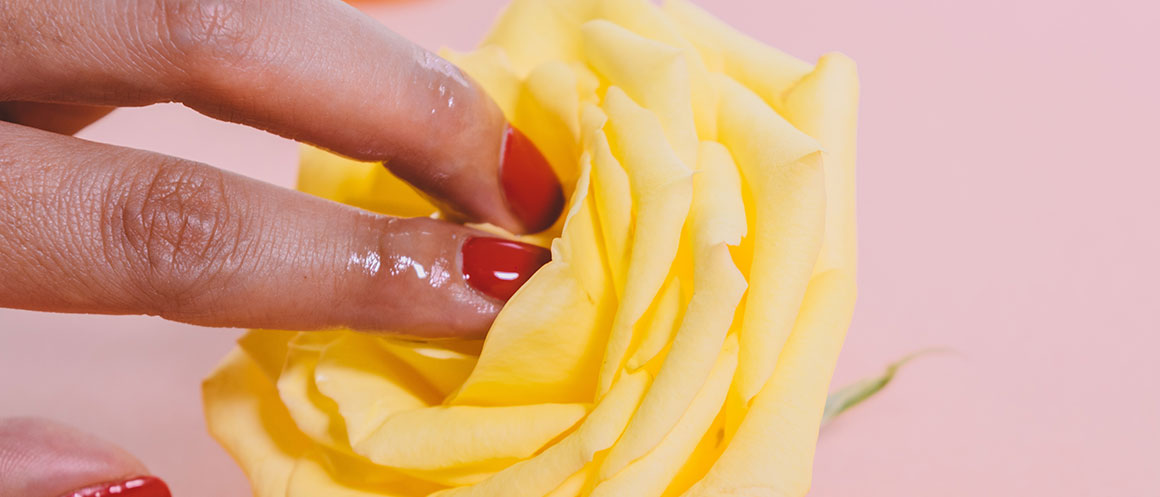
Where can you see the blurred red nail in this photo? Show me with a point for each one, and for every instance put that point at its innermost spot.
(530, 186)
(498, 267)
(142, 486)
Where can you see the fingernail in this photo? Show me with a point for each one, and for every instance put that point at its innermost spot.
(530, 186)
(141, 486)
(498, 267)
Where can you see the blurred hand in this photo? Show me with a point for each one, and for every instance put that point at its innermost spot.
(40, 458)
(87, 227)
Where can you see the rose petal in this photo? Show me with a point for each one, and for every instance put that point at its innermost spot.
(613, 197)
(660, 327)
(246, 416)
(491, 68)
(763, 69)
(539, 475)
(782, 168)
(315, 475)
(651, 474)
(718, 212)
(367, 383)
(651, 73)
(534, 31)
(688, 363)
(316, 415)
(268, 348)
(362, 184)
(440, 438)
(824, 105)
(443, 365)
(662, 191)
(773, 450)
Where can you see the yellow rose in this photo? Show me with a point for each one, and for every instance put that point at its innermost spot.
(682, 339)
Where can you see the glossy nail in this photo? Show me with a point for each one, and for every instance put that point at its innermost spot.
(498, 267)
(142, 486)
(530, 186)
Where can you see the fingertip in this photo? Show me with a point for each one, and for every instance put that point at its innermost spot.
(138, 486)
(498, 267)
(42, 458)
(507, 182)
(530, 186)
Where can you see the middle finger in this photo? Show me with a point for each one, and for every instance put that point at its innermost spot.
(316, 71)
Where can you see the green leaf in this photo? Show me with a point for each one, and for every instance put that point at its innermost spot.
(855, 393)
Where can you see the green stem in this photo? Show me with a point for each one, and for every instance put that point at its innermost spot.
(855, 393)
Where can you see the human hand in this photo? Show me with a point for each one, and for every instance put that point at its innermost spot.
(87, 227)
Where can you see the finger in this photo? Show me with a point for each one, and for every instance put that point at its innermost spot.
(317, 71)
(65, 119)
(87, 227)
(40, 458)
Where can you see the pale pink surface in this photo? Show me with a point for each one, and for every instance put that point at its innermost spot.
(1007, 198)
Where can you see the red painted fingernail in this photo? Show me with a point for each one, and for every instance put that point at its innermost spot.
(530, 186)
(498, 267)
(141, 486)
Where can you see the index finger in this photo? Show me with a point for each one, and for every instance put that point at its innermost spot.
(315, 71)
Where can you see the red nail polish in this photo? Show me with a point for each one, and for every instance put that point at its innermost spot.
(530, 186)
(142, 486)
(498, 267)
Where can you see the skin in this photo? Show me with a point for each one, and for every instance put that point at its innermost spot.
(89, 227)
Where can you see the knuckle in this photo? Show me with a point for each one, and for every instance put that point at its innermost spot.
(205, 34)
(178, 229)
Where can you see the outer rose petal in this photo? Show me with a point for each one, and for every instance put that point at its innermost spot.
(315, 414)
(772, 453)
(246, 416)
(367, 383)
(824, 105)
(314, 476)
(536, 31)
(651, 474)
(765, 70)
(782, 168)
(268, 348)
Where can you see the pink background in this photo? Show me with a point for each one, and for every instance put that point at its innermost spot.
(1007, 200)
